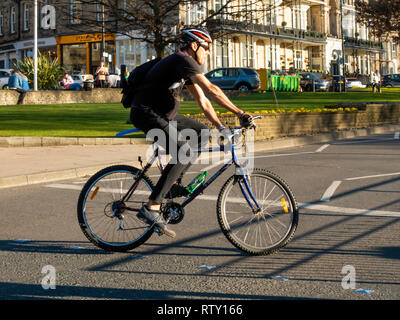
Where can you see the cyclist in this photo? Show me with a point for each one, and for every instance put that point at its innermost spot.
(156, 104)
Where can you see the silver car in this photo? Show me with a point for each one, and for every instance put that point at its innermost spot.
(81, 78)
(4, 75)
(242, 79)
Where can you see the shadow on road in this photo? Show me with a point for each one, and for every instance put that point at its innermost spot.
(15, 291)
(54, 247)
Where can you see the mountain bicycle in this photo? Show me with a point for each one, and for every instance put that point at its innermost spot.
(256, 211)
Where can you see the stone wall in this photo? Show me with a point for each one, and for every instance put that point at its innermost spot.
(97, 95)
(279, 125)
(10, 97)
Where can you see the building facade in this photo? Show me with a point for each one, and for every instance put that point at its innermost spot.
(286, 35)
(62, 33)
(303, 35)
(16, 32)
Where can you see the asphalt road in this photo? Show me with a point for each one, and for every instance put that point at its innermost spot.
(348, 233)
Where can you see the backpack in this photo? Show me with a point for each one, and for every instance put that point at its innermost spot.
(135, 79)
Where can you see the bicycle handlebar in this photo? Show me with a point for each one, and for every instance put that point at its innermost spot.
(254, 118)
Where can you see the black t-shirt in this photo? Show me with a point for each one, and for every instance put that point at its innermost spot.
(164, 82)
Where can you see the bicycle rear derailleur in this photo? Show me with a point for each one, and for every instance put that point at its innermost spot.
(173, 212)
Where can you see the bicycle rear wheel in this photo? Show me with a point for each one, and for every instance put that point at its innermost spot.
(263, 232)
(103, 215)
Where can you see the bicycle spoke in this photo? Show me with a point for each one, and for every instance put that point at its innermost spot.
(262, 230)
(103, 214)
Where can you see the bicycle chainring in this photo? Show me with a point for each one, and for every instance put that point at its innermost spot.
(173, 212)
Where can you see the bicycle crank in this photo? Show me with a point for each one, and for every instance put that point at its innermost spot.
(173, 212)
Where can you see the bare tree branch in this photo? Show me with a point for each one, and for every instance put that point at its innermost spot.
(157, 22)
(381, 16)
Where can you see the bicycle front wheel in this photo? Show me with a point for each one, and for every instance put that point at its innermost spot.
(257, 232)
(106, 218)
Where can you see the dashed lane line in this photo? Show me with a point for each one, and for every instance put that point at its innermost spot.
(322, 148)
(330, 191)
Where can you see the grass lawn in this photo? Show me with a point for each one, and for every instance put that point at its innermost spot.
(105, 120)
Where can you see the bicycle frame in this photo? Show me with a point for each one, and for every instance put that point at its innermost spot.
(246, 190)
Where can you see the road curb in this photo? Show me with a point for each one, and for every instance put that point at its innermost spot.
(24, 180)
(17, 142)
(43, 177)
(323, 137)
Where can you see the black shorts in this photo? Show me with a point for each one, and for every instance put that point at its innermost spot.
(145, 119)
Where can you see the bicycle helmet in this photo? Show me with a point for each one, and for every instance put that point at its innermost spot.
(199, 35)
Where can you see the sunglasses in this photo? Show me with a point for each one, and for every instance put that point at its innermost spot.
(205, 46)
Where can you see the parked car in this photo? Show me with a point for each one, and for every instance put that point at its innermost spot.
(81, 78)
(4, 75)
(307, 80)
(391, 80)
(337, 83)
(114, 80)
(354, 83)
(242, 79)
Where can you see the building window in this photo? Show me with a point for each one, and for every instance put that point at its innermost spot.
(129, 53)
(1, 23)
(221, 54)
(349, 24)
(75, 11)
(26, 17)
(74, 58)
(260, 54)
(196, 13)
(98, 12)
(12, 20)
(247, 54)
(220, 5)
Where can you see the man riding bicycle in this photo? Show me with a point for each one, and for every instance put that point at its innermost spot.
(156, 105)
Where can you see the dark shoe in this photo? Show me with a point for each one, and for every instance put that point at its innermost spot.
(176, 191)
(155, 218)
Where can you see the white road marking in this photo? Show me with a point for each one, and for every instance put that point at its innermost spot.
(159, 175)
(256, 157)
(64, 186)
(374, 176)
(330, 191)
(213, 165)
(335, 184)
(322, 148)
(349, 211)
(362, 141)
(309, 206)
(283, 154)
(101, 189)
